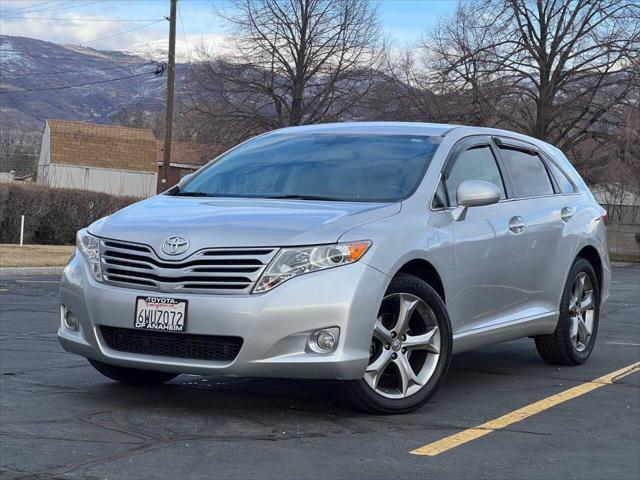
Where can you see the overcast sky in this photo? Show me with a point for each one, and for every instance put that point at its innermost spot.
(127, 24)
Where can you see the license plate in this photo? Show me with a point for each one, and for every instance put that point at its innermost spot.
(159, 313)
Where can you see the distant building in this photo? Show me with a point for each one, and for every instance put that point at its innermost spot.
(7, 177)
(186, 158)
(102, 158)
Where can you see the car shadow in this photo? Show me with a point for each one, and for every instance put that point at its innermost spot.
(246, 396)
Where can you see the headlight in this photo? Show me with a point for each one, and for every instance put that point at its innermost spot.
(89, 247)
(291, 262)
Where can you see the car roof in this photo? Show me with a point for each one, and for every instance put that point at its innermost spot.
(381, 128)
(406, 128)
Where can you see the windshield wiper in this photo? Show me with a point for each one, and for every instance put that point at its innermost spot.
(192, 194)
(305, 197)
(181, 193)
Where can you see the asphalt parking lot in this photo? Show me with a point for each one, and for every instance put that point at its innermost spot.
(61, 419)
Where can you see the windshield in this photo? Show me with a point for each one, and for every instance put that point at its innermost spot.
(343, 167)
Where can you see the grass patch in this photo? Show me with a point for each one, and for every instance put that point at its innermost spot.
(35, 255)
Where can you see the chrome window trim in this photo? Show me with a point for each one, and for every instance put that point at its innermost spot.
(482, 139)
(500, 140)
(550, 195)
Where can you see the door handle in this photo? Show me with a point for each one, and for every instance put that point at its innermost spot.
(516, 224)
(566, 213)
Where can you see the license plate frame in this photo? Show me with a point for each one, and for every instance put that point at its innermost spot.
(159, 322)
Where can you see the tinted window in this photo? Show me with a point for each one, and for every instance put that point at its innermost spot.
(440, 198)
(477, 163)
(564, 185)
(327, 166)
(528, 173)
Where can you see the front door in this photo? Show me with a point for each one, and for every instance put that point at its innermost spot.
(489, 286)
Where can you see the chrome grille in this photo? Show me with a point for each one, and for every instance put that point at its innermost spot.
(211, 270)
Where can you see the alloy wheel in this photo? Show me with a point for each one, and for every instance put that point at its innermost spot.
(405, 346)
(581, 311)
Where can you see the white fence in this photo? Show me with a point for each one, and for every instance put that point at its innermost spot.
(7, 177)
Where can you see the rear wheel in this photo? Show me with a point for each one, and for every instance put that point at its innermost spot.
(132, 376)
(575, 335)
(410, 350)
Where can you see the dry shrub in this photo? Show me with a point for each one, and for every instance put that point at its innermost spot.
(52, 215)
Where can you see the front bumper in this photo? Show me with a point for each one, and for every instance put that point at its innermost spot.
(275, 325)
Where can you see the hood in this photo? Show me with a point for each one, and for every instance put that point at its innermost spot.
(237, 222)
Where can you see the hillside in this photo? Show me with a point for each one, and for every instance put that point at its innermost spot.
(30, 64)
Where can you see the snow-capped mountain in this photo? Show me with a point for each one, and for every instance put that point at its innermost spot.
(188, 49)
(41, 80)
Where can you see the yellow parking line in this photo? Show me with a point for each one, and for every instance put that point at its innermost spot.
(466, 436)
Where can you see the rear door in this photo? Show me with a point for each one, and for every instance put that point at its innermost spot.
(548, 203)
(489, 243)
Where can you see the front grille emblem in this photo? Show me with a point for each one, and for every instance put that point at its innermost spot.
(175, 245)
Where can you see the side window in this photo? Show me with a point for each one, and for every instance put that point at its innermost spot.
(440, 198)
(527, 172)
(564, 184)
(477, 163)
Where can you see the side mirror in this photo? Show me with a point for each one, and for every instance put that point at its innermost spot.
(474, 193)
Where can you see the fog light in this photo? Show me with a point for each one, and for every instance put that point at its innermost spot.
(325, 340)
(70, 321)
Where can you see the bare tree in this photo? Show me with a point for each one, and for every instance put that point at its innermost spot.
(18, 150)
(563, 64)
(460, 62)
(137, 115)
(297, 62)
(407, 93)
(611, 162)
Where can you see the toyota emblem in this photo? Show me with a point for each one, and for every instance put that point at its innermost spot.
(175, 245)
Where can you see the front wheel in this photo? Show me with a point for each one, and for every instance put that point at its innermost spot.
(410, 350)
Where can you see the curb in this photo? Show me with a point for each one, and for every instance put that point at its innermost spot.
(623, 264)
(31, 271)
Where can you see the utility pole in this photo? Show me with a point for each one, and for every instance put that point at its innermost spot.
(168, 121)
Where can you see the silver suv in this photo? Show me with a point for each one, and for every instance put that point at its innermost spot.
(365, 252)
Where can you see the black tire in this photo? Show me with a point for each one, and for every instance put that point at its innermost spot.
(558, 348)
(132, 376)
(365, 398)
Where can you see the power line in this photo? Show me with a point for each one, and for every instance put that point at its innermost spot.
(124, 31)
(32, 8)
(158, 72)
(61, 7)
(80, 19)
(184, 34)
(121, 67)
(13, 10)
(96, 58)
(93, 54)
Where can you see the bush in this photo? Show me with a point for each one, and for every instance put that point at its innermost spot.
(52, 215)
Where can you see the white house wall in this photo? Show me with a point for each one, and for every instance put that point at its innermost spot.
(7, 177)
(45, 154)
(115, 182)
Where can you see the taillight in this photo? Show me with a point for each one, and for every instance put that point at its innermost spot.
(605, 218)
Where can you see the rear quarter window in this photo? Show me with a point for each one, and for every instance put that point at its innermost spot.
(528, 173)
(563, 182)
